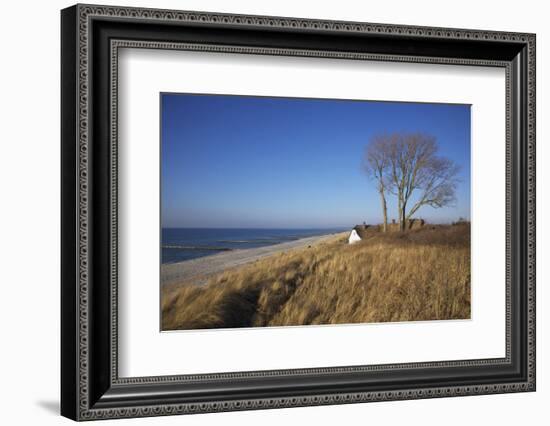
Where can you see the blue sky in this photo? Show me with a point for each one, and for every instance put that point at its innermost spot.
(264, 162)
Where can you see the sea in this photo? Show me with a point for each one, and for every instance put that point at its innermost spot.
(179, 244)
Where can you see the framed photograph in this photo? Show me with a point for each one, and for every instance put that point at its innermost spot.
(263, 212)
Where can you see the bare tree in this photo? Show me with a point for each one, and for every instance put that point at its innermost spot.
(413, 172)
(375, 165)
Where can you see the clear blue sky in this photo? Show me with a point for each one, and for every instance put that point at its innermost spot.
(253, 162)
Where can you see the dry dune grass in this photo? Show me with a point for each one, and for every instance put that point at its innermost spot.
(412, 276)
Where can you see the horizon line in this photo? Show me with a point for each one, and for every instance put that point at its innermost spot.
(295, 227)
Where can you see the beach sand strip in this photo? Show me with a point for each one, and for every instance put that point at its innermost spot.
(203, 267)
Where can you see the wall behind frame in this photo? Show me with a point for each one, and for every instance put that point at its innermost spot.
(29, 213)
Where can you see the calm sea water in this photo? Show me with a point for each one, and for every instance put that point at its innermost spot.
(179, 244)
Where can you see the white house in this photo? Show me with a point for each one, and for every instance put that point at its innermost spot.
(357, 233)
(354, 237)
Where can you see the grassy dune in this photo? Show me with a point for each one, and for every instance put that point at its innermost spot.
(417, 275)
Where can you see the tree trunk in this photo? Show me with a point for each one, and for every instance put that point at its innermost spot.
(403, 217)
(384, 210)
(399, 212)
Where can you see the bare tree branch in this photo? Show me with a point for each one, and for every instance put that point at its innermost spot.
(375, 164)
(407, 166)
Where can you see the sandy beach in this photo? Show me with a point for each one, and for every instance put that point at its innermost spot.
(174, 273)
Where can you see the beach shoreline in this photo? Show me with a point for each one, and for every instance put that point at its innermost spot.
(172, 274)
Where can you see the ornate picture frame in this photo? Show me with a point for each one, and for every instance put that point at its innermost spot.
(91, 37)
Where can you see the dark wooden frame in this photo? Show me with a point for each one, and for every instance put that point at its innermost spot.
(90, 386)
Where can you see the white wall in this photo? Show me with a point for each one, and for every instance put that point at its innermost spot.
(29, 225)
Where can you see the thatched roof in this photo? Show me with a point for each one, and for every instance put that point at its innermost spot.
(361, 230)
(364, 230)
